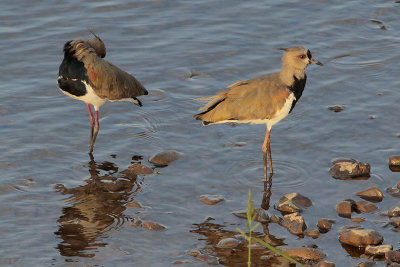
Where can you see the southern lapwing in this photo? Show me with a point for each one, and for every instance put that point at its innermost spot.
(266, 99)
(86, 76)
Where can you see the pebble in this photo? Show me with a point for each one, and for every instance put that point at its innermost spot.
(371, 194)
(395, 221)
(166, 157)
(393, 191)
(294, 222)
(325, 264)
(349, 168)
(366, 264)
(394, 163)
(357, 220)
(136, 222)
(153, 226)
(366, 207)
(261, 215)
(209, 259)
(293, 202)
(181, 262)
(378, 250)
(193, 252)
(304, 253)
(228, 243)
(336, 108)
(394, 211)
(345, 208)
(140, 169)
(133, 205)
(211, 199)
(393, 256)
(313, 233)
(360, 237)
(324, 225)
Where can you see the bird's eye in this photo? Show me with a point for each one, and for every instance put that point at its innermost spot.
(302, 56)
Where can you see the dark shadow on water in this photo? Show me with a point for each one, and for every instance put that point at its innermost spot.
(94, 208)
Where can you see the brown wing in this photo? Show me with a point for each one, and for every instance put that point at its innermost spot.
(111, 82)
(258, 98)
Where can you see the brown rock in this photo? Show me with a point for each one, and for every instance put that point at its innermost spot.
(165, 158)
(325, 264)
(366, 207)
(378, 250)
(394, 163)
(395, 221)
(336, 108)
(360, 237)
(153, 226)
(228, 243)
(366, 264)
(345, 208)
(393, 256)
(294, 222)
(357, 220)
(398, 185)
(276, 219)
(349, 168)
(314, 233)
(293, 202)
(261, 215)
(371, 194)
(211, 199)
(133, 205)
(394, 211)
(140, 169)
(303, 253)
(324, 225)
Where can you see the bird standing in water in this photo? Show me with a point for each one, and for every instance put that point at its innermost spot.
(266, 99)
(86, 76)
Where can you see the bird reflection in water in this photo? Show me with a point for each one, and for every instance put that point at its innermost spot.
(95, 208)
(214, 232)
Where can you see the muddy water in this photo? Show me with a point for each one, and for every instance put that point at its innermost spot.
(59, 206)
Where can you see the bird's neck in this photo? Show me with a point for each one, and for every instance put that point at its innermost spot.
(288, 74)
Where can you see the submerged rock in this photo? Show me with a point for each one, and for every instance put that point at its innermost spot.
(364, 206)
(166, 157)
(313, 233)
(349, 168)
(228, 243)
(153, 226)
(360, 237)
(395, 221)
(346, 207)
(325, 264)
(394, 163)
(378, 250)
(394, 211)
(136, 222)
(140, 169)
(324, 225)
(303, 253)
(371, 194)
(295, 224)
(293, 202)
(211, 199)
(261, 215)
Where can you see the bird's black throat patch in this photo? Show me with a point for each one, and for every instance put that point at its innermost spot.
(297, 89)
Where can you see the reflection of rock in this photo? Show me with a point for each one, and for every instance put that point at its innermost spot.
(371, 194)
(360, 237)
(293, 202)
(166, 157)
(93, 208)
(349, 168)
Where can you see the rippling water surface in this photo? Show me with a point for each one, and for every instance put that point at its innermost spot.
(60, 206)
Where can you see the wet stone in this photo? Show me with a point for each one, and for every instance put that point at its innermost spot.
(140, 169)
(261, 215)
(393, 191)
(349, 168)
(209, 259)
(345, 208)
(378, 250)
(394, 163)
(211, 199)
(366, 264)
(371, 194)
(228, 243)
(366, 207)
(325, 264)
(313, 233)
(360, 237)
(166, 157)
(294, 222)
(153, 226)
(303, 253)
(133, 205)
(395, 221)
(324, 225)
(357, 220)
(293, 202)
(394, 211)
(393, 256)
(193, 252)
(276, 219)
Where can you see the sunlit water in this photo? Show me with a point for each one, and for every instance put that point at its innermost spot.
(58, 205)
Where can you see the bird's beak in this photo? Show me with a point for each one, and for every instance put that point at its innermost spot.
(314, 61)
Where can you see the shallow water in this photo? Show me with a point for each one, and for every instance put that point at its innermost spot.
(58, 205)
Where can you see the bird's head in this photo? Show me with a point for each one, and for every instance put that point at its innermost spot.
(97, 44)
(298, 57)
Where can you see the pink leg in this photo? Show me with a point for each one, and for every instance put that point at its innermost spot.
(267, 148)
(91, 121)
(95, 132)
